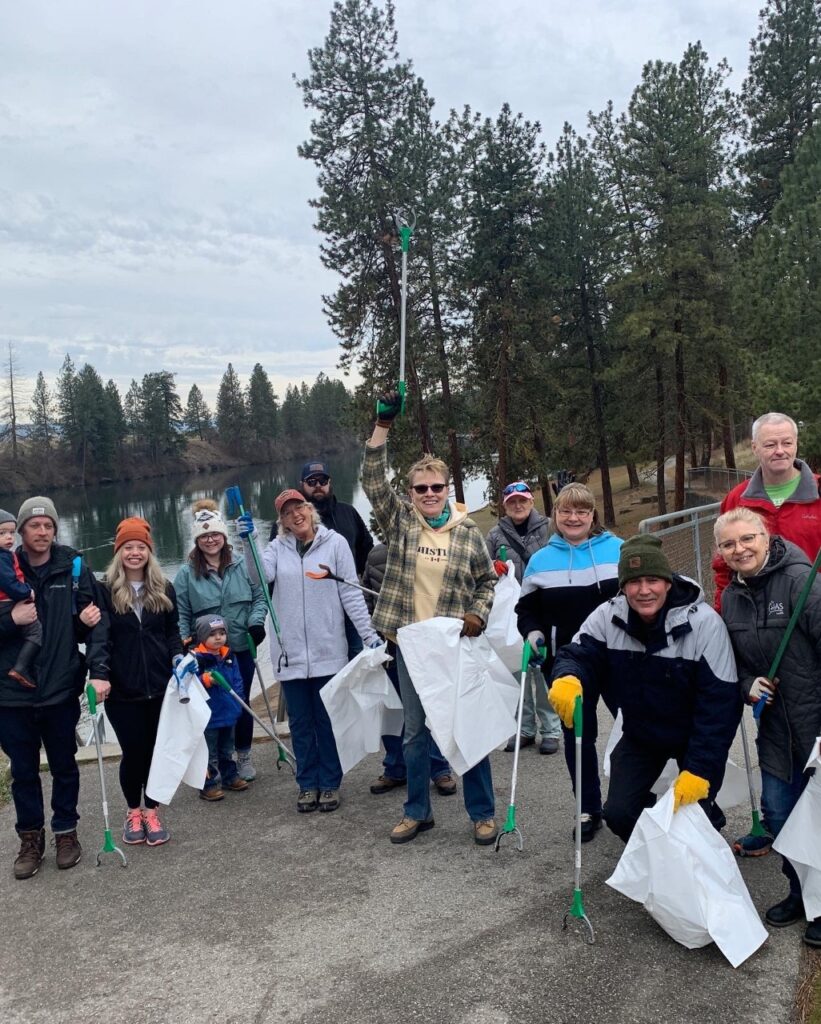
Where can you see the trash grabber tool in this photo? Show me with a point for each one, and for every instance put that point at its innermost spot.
(577, 907)
(405, 229)
(757, 832)
(758, 709)
(234, 497)
(326, 574)
(510, 828)
(283, 753)
(108, 842)
(219, 680)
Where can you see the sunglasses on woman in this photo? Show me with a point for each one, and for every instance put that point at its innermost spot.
(424, 488)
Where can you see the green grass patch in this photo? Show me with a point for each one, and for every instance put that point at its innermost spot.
(5, 781)
(814, 1010)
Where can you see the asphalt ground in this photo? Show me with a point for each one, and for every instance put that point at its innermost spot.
(254, 913)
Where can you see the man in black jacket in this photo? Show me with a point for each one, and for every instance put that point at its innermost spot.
(336, 515)
(66, 605)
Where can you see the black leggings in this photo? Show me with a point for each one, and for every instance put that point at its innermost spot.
(135, 723)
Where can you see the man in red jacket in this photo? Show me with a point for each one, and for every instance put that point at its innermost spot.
(783, 491)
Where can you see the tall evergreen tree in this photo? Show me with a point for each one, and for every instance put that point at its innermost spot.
(261, 403)
(43, 425)
(161, 414)
(133, 411)
(67, 403)
(232, 414)
(197, 414)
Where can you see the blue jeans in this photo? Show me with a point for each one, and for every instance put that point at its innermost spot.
(317, 762)
(221, 764)
(22, 730)
(537, 707)
(393, 764)
(244, 726)
(477, 784)
(777, 800)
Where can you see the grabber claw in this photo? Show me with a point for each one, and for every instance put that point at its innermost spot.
(577, 911)
(510, 828)
(109, 846)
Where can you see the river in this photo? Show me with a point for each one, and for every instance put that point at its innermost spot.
(88, 517)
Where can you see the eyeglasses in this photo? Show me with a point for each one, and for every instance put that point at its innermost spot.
(210, 538)
(566, 513)
(519, 487)
(317, 481)
(424, 488)
(746, 541)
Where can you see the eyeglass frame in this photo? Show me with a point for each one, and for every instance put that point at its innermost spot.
(421, 489)
(316, 481)
(746, 541)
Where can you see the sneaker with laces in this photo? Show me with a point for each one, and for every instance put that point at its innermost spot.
(236, 785)
(212, 794)
(155, 834)
(384, 784)
(409, 828)
(69, 850)
(307, 800)
(245, 769)
(133, 829)
(485, 832)
(445, 785)
(329, 800)
(30, 856)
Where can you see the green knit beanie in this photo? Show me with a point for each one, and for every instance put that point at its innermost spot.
(642, 555)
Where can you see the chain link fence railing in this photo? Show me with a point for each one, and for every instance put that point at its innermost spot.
(715, 479)
(687, 540)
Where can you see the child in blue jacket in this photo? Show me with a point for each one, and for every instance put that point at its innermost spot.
(13, 588)
(213, 654)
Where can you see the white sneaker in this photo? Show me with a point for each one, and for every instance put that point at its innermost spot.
(245, 769)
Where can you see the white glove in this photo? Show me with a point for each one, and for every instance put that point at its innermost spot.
(762, 689)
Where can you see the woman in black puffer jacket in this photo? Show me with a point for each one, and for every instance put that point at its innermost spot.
(144, 641)
(769, 574)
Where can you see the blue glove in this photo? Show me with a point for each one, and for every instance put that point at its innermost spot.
(245, 522)
(375, 643)
(537, 649)
(177, 659)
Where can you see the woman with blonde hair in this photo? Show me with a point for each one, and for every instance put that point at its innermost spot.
(144, 641)
(214, 581)
(563, 583)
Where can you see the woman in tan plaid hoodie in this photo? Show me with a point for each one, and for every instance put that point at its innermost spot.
(438, 565)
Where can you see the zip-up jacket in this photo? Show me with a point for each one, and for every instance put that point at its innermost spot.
(239, 601)
(312, 613)
(562, 585)
(798, 519)
(675, 681)
(756, 611)
(519, 547)
(13, 586)
(59, 669)
(224, 709)
(141, 649)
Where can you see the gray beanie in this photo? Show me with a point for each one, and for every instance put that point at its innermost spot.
(206, 624)
(37, 506)
(6, 517)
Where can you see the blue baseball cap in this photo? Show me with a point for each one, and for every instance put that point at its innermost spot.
(315, 469)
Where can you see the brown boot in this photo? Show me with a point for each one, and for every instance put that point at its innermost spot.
(30, 857)
(69, 850)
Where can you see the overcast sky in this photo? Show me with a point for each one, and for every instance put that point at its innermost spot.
(153, 210)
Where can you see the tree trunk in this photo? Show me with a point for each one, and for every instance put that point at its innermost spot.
(598, 406)
(661, 489)
(681, 422)
(502, 409)
(726, 417)
(632, 474)
(544, 483)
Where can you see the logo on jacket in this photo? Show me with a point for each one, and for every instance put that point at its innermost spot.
(776, 608)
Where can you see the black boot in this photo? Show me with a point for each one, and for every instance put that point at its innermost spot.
(25, 659)
(788, 911)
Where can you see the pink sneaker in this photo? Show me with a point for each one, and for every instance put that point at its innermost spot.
(133, 830)
(155, 834)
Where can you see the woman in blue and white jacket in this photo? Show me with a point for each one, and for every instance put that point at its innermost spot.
(563, 583)
(312, 622)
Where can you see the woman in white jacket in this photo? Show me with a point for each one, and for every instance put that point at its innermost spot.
(312, 622)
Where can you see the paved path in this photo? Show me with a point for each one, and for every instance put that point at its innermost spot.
(253, 913)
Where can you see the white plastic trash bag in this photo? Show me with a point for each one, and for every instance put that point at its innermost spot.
(686, 876)
(502, 630)
(468, 694)
(363, 706)
(180, 752)
(800, 838)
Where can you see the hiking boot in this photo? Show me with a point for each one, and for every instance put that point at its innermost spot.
(245, 769)
(155, 834)
(69, 850)
(787, 912)
(236, 785)
(549, 745)
(30, 857)
(526, 741)
(384, 784)
(485, 832)
(591, 823)
(213, 794)
(307, 800)
(753, 846)
(329, 800)
(409, 828)
(133, 829)
(812, 936)
(445, 785)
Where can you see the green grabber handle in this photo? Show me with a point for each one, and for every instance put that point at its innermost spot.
(577, 907)
(405, 232)
(91, 697)
(503, 558)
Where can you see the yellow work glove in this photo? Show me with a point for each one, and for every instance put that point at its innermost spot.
(562, 695)
(689, 789)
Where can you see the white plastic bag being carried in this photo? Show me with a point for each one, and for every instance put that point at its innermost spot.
(502, 630)
(180, 751)
(800, 838)
(468, 694)
(686, 876)
(363, 706)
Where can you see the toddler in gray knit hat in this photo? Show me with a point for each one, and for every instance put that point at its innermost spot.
(13, 588)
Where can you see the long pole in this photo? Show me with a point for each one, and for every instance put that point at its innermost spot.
(405, 232)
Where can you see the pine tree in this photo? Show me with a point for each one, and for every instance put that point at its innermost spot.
(67, 404)
(197, 414)
(43, 425)
(292, 414)
(11, 401)
(115, 416)
(161, 414)
(261, 403)
(232, 414)
(133, 410)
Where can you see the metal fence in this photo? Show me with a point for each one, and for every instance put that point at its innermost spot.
(715, 478)
(687, 540)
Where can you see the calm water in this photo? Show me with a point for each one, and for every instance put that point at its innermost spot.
(89, 517)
